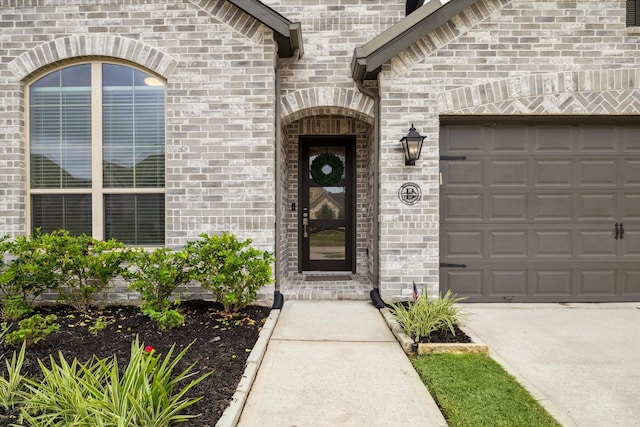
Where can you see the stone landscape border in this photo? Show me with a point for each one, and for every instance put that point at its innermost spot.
(231, 415)
(411, 348)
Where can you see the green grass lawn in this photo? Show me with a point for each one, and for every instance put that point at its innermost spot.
(473, 390)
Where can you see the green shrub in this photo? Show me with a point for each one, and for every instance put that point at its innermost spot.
(32, 330)
(155, 276)
(11, 381)
(30, 266)
(426, 315)
(88, 265)
(231, 269)
(97, 393)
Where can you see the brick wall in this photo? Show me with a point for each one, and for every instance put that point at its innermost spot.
(219, 66)
(497, 57)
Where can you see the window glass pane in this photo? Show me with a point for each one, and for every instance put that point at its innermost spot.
(133, 128)
(71, 212)
(60, 129)
(136, 219)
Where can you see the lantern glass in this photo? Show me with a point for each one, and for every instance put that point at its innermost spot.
(412, 145)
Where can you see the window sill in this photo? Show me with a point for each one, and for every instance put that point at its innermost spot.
(633, 31)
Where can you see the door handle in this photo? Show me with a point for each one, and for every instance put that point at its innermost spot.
(617, 231)
(621, 231)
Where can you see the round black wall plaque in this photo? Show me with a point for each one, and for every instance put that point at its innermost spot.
(410, 193)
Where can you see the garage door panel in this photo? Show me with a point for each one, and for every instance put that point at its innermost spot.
(597, 282)
(508, 282)
(631, 282)
(552, 282)
(596, 207)
(596, 244)
(463, 207)
(630, 173)
(460, 243)
(463, 174)
(552, 139)
(462, 139)
(552, 244)
(629, 137)
(597, 173)
(555, 207)
(507, 139)
(629, 207)
(553, 173)
(630, 244)
(508, 207)
(508, 244)
(506, 173)
(598, 139)
(463, 282)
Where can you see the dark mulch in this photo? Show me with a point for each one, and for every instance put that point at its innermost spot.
(445, 336)
(222, 344)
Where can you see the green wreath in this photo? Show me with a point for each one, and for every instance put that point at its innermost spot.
(327, 159)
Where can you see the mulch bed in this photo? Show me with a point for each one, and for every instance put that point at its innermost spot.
(445, 336)
(222, 344)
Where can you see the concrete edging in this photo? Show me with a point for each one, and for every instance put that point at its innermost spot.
(412, 348)
(231, 415)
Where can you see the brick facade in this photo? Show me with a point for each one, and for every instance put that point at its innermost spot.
(497, 57)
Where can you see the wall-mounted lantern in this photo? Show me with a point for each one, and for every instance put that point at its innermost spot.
(412, 145)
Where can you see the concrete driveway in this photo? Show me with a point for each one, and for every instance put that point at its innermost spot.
(581, 360)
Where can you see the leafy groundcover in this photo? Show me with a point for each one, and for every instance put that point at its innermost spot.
(222, 344)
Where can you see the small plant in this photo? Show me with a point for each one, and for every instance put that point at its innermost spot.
(155, 276)
(425, 315)
(11, 381)
(146, 393)
(32, 330)
(98, 325)
(88, 266)
(165, 319)
(15, 307)
(231, 269)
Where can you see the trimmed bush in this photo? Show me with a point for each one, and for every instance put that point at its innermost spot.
(231, 269)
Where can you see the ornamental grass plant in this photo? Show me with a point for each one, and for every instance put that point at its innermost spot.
(97, 393)
(426, 315)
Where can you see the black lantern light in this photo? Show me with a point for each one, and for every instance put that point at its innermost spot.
(412, 145)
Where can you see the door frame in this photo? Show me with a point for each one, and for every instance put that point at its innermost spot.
(349, 144)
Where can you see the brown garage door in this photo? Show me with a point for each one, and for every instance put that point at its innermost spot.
(540, 212)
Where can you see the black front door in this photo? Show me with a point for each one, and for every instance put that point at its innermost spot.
(326, 220)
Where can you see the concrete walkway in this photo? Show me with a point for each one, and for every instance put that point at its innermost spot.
(581, 359)
(335, 363)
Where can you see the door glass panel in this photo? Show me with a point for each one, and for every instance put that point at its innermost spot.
(326, 202)
(326, 243)
(325, 162)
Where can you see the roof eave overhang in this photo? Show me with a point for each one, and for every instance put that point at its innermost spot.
(287, 34)
(368, 58)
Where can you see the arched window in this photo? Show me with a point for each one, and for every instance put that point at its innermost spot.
(96, 146)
